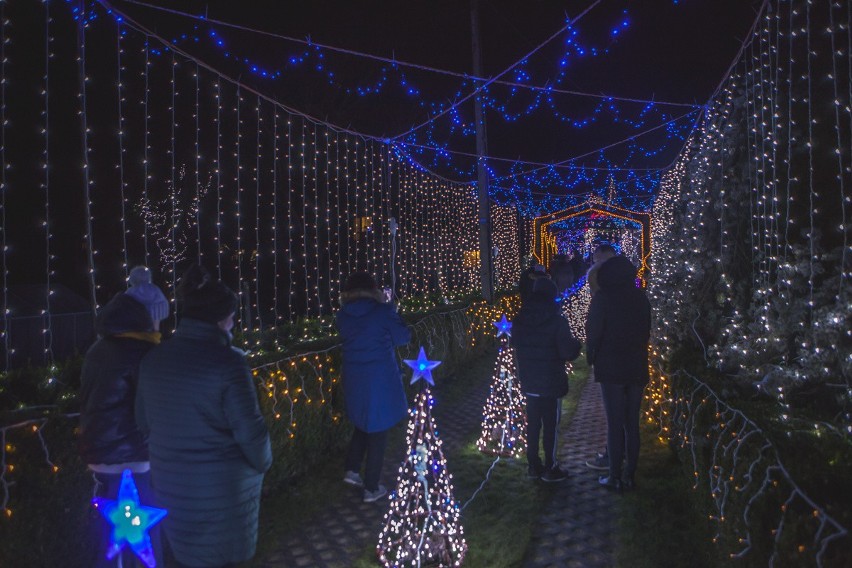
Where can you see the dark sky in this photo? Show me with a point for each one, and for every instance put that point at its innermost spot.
(669, 51)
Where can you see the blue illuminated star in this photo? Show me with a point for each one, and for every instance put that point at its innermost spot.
(422, 367)
(130, 521)
(503, 326)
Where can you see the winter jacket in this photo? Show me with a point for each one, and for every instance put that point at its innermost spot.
(543, 343)
(372, 384)
(108, 431)
(208, 442)
(619, 326)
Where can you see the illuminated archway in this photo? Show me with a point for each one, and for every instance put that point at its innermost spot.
(544, 242)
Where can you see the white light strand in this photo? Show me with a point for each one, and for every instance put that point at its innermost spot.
(87, 178)
(122, 183)
(4, 188)
(47, 330)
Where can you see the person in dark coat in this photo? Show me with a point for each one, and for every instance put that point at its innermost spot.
(561, 273)
(110, 440)
(370, 329)
(601, 255)
(528, 278)
(208, 441)
(543, 343)
(617, 331)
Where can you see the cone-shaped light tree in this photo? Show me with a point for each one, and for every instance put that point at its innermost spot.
(504, 417)
(422, 527)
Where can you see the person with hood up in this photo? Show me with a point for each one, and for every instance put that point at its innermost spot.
(373, 391)
(110, 440)
(208, 441)
(617, 332)
(543, 343)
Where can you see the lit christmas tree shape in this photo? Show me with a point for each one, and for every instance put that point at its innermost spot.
(422, 527)
(504, 418)
(130, 521)
(504, 326)
(422, 367)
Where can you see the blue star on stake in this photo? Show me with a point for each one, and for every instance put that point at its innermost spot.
(503, 326)
(422, 368)
(130, 521)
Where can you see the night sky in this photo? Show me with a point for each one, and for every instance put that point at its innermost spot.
(669, 51)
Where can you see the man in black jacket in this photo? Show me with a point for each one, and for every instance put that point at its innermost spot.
(617, 333)
(543, 343)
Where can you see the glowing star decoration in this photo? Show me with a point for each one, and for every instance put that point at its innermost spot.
(504, 326)
(130, 521)
(422, 367)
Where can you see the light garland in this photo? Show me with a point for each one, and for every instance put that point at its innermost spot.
(745, 472)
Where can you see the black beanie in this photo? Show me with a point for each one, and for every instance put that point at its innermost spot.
(360, 281)
(544, 288)
(203, 298)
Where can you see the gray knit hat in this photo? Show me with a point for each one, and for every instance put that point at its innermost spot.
(150, 296)
(138, 275)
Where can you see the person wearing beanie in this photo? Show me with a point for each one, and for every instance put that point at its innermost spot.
(110, 440)
(372, 384)
(150, 296)
(543, 343)
(618, 328)
(209, 445)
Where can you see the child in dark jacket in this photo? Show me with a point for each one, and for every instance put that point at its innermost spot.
(543, 343)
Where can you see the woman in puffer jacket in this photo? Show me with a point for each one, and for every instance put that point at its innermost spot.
(208, 441)
(370, 329)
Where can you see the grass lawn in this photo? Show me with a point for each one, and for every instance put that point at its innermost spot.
(661, 523)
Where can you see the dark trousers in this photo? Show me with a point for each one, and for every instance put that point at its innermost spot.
(373, 445)
(543, 414)
(106, 486)
(622, 404)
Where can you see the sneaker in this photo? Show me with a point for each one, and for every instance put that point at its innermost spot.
(373, 496)
(352, 478)
(610, 484)
(554, 475)
(534, 472)
(600, 462)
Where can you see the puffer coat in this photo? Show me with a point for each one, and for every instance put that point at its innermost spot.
(108, 431)
(618, 326)
(543, 343)
(372, 384)
(208, 442)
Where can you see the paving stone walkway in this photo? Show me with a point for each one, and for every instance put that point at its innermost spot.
(574, 530)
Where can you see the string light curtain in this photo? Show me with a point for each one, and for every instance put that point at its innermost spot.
(176, 162)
